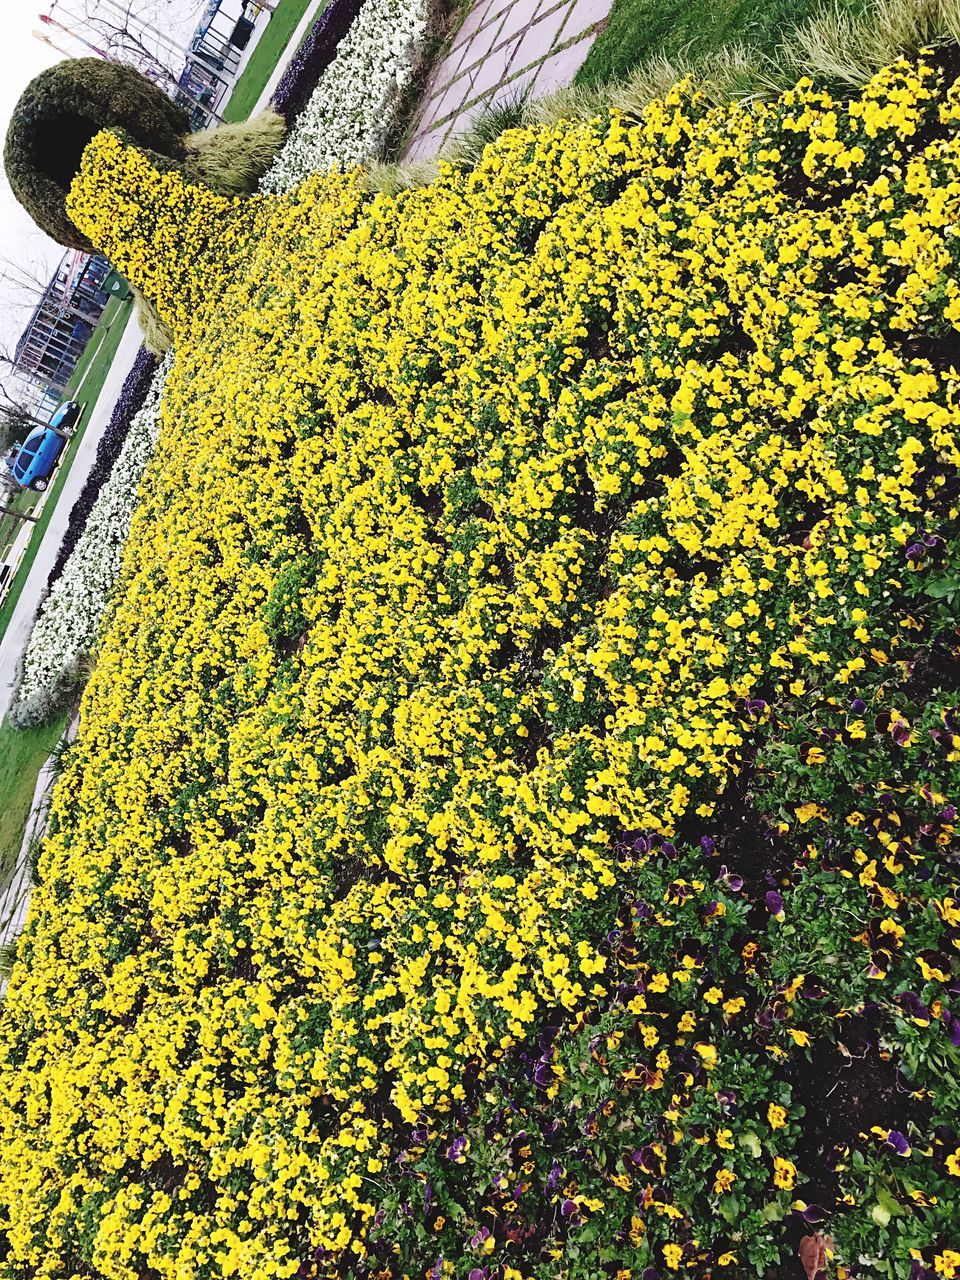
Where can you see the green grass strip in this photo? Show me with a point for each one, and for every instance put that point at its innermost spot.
(642, 29)
(85, 384)
(22, 756)
(270, 48)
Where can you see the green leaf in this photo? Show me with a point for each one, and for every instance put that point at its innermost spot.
(880, 1215)
(752, 1144)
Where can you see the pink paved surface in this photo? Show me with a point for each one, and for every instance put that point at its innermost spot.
(504, 50)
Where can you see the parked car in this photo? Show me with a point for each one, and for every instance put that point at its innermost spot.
(36, 459)
(67, 416)
(6, 574)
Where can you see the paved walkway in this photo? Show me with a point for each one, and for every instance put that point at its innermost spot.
(504, 50)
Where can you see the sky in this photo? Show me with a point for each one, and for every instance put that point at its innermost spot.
(21, 58)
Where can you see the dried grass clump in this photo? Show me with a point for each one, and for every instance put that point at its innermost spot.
(232, 158)
(157, 334)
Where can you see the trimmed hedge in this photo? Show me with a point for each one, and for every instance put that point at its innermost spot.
(131, 401)
(57, 115)
(313, 57)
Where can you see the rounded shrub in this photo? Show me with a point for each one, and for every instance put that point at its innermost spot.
(57, 115)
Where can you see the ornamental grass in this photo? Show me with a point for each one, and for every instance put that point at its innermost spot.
(512, 830)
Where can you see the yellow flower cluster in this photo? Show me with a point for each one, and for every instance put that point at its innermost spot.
(486, 521)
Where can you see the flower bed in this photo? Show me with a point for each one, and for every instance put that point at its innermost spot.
(512, 831)
(133, 395)
(83, 579)
(313, 57)
(350, 113)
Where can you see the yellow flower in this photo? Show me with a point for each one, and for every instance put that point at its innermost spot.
(776, 1116)
(784, 1173)
(672, 1253)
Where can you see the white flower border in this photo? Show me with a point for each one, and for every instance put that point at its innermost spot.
(355, 102)
(70, 617)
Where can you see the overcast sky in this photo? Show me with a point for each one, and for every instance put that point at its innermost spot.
(21, 58)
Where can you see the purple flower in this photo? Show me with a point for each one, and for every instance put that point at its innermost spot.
(915, 553)
(569, 1209)
(858, 706)
(708, 845)
(898, 1142)
(731, 880)
(313, 57)
(727, 1101)
(774, 903)
(911, 1004)
(812, 1214)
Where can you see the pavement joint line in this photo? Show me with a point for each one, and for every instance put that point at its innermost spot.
(469, 103)
(518, 35)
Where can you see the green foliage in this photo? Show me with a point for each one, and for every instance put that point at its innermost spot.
(22, 754)
(640, 30)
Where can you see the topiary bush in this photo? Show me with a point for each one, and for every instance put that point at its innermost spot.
(57, 115)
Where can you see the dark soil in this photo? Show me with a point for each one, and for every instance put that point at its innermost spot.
(845, 1089)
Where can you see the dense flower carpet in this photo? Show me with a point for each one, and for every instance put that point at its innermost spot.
(512, 828)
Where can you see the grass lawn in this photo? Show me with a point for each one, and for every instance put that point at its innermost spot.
(281, 25)
(22, 754)
(86, 384)
(24, 500)
(641, 29)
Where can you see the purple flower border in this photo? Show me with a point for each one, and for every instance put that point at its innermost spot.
(313, 57)
(129, 403)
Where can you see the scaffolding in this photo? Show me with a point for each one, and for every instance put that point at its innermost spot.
(61, 325)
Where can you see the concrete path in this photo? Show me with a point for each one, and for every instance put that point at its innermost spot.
(505, 49)
(15, 638)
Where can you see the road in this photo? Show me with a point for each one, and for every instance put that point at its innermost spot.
(15, 638)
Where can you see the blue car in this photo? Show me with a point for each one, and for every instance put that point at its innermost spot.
(36, 459)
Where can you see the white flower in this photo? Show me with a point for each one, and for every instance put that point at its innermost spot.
(70, 617)
(354, 105)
